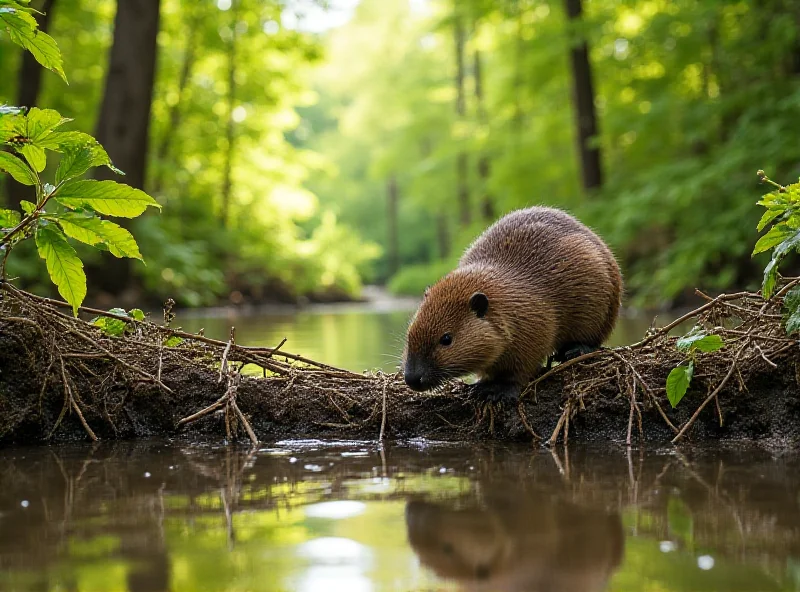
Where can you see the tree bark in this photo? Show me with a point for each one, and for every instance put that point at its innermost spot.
(462, 165)
(230, 131)
(28, 87)
(391, 224)
(124, 122)
(484, 163)
(583, 98)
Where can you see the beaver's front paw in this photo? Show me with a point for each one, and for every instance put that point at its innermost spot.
(495, 392)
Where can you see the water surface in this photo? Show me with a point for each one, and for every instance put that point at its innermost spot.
(355, 337)
(328, 516)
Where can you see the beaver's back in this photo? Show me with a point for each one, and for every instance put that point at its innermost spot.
(547, 252)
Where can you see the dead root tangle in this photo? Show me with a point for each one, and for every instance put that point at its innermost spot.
(61, 378)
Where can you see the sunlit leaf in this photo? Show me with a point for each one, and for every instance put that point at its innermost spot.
(93, 231)
(173, 341)
(709, 343)
(110, 326)
(678, 382)
(9, 218)
(775, 236)
(27, 207)
(23, 29)
(63, 265)
(136, 313)
(768, 217)
(35, 156)
(105, 197)
(74, 163)
(17, 169)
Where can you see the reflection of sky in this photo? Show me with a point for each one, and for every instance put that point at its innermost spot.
(337, 563)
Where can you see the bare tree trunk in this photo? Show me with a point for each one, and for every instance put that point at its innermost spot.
(462, 166)
(230, 135)
(484, 163)
(124, 121)
(583, 97)
(165, 145)
(28, 86)
(391, 223)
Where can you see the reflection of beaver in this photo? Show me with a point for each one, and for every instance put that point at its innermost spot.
(536, 282)
(517, 542)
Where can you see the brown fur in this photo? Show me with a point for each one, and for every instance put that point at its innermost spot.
(550, 282)
(517, 541)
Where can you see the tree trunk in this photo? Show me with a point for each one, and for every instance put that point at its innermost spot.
(28, 86)
(230, 132)
(583, 97)
(124, 121)
(462, 166)
(484, 163)
(391, 223)
(165, 145)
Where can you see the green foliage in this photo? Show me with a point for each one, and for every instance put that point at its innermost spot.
(782, 216)
(117, 327)
(17, 20)
(413, 279)
(678, 382)
(31, 133)
(680, 377)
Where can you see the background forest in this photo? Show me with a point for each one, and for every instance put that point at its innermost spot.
(301, 149)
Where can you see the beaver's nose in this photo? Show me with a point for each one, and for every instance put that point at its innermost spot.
(414, 380)
(414, 375)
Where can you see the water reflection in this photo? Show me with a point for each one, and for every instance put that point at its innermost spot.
(517, 541)
(352, 337)
(348, 516)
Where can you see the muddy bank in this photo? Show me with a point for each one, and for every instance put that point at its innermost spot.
(61, 380)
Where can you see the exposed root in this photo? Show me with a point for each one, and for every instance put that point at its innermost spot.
(137, 384)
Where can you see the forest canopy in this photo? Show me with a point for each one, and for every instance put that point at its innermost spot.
(297, 160)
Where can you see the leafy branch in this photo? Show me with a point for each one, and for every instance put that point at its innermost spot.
(782, 215)
(28, 135)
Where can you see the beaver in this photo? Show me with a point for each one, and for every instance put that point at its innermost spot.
(536, 283)
(517, 540)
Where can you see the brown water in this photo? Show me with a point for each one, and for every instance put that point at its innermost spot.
(155, 516)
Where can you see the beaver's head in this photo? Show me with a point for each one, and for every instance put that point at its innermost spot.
(453, 333)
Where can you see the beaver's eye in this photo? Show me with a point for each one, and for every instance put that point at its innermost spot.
(446, 339)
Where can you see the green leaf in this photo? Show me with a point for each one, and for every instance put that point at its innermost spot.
(685, 342)
(776, 235)
(109, 326)
(35, 156)
(768, 217)
(106, 197)
(17, 169)
(63, 265)
(27, 207)
(93, 231)
(9, 218)
(136, 313)
(74, 163)
(74, 141)
(173, 341)
(709, 343)
(791, 303)
(771, 270)
(23, 30)
(678, 383)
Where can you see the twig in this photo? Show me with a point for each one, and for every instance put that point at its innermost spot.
(722, 383)
(766, 359)
(523, 416)
(383, 417)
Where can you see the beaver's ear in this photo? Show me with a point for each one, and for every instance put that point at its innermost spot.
(479, 303)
